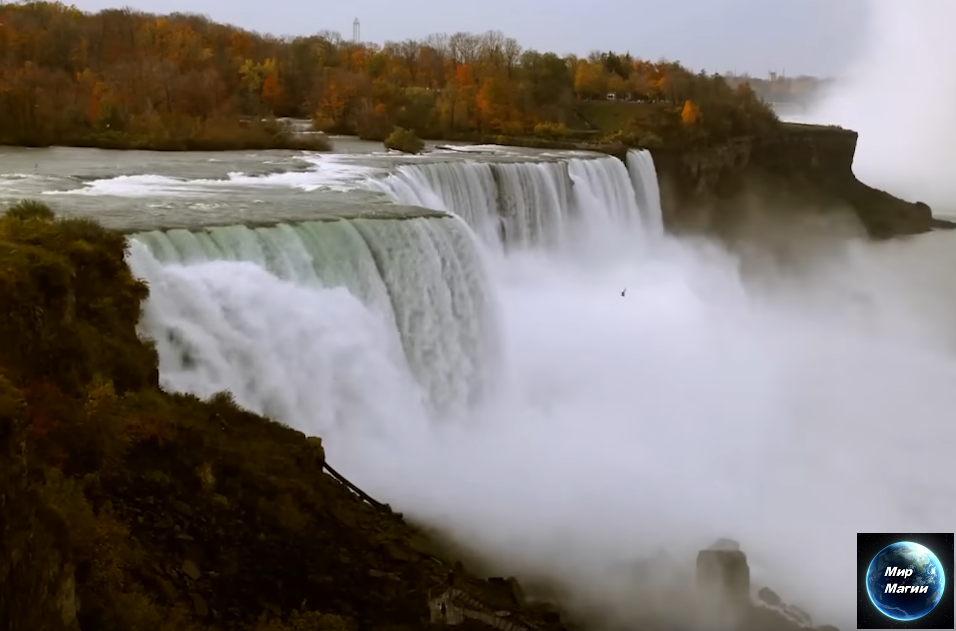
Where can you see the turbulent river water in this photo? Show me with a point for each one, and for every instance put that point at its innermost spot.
(505, 344)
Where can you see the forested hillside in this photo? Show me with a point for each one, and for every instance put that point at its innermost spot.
(70, 77)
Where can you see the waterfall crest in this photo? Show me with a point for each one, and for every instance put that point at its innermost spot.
(536, 203)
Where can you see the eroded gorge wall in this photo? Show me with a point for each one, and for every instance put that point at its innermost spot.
(804, 170)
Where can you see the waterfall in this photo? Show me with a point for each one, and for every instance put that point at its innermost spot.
(535, 202)
(420, 279)
(605, 196)
(467, 187)
(643, 175)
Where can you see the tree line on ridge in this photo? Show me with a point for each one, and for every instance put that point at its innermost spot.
(121, 77)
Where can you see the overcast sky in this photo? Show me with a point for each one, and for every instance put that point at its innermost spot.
(796, 36)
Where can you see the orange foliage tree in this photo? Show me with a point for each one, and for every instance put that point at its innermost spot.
(690, 113)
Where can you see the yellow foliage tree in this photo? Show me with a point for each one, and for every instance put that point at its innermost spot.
(590, 79)
(690, 114)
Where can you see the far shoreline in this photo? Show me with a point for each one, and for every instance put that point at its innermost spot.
(266, 139)
(312, 141)
(319, 143)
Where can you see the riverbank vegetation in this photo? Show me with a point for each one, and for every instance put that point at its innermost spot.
(125, 79)
(404, 140)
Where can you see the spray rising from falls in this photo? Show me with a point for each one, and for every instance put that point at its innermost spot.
(590, 427)
(906, 138)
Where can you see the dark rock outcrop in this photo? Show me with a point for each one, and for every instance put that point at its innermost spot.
(798, 170)
(723, 575)
(723, 591)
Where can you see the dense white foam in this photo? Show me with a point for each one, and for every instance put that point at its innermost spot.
(326, 173)
(907, 131)
(13, 185)
(696, 406)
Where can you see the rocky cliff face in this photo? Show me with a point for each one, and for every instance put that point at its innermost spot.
(801, 168)
(810, 150)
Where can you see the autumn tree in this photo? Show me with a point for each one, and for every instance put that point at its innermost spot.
(590, 79)
(690, 113)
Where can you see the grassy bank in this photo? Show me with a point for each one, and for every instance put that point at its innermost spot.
(608, 117)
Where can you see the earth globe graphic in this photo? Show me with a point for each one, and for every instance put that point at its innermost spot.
(904, 602)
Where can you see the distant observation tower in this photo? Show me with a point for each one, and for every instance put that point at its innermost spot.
(356, 31)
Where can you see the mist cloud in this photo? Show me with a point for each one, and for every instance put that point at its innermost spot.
(900, 93)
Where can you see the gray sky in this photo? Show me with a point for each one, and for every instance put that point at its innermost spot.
(796, 36)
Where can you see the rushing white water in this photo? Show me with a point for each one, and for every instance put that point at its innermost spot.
(592, 427)
(537, 203)
(420, 279)
(640, 166)
(324, 174)
(469, 188)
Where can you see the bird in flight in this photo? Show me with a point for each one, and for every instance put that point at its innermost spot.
(624, 292)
